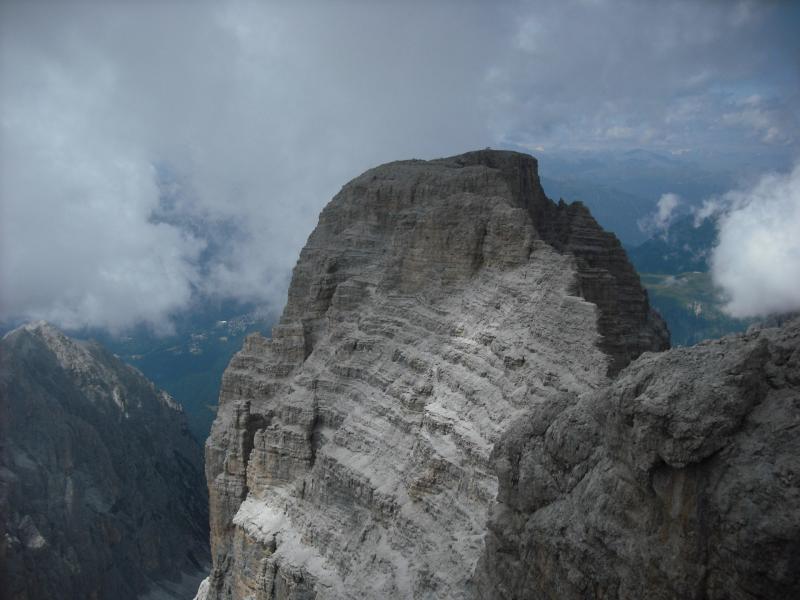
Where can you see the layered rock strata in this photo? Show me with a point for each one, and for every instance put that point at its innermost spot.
(680, 480)
(102, 492)
(433, 306)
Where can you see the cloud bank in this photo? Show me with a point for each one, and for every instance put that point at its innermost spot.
(757, 259)
(156, 153)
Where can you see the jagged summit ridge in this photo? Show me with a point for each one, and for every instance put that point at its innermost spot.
(97, 367)
(433, 305)
(70, 353)
(451, 238)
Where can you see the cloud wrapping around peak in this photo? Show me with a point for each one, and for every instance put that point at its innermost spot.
(757, 259)
(153, 153)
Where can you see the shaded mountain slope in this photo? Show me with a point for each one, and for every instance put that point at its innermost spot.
(101, 489)
(679, 480)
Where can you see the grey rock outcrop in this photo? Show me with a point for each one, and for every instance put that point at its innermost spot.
(102, 493)
(680, 480)
(434, 305)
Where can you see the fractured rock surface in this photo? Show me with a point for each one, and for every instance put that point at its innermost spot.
(680, 480)
(434, 306)
(101, 485)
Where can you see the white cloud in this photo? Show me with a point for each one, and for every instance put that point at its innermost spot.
(757, 259)
(257, 115)
(666, 209)
(154, 151)
(710, 208)
(647, 73)
(660, 221)
(78, 245)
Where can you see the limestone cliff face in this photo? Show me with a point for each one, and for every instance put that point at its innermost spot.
(680, 480)
(434, 306)
(101, 485)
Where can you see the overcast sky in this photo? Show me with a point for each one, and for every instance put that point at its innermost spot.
(152, 152)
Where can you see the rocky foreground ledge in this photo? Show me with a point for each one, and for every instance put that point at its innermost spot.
(434, 415)
(681, 479)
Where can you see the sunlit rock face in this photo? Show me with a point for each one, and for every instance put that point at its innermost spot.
(434, 306)
(101, 486)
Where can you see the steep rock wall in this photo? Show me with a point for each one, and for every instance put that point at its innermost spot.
(433, 306)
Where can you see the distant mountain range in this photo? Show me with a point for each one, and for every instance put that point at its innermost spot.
(682, 248)
(623, 188)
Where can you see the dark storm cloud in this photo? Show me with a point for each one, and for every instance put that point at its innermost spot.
(155, 151)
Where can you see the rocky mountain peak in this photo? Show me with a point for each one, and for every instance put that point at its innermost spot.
(434, 304)
(70, 353)
(427, 227)
(101, 374)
